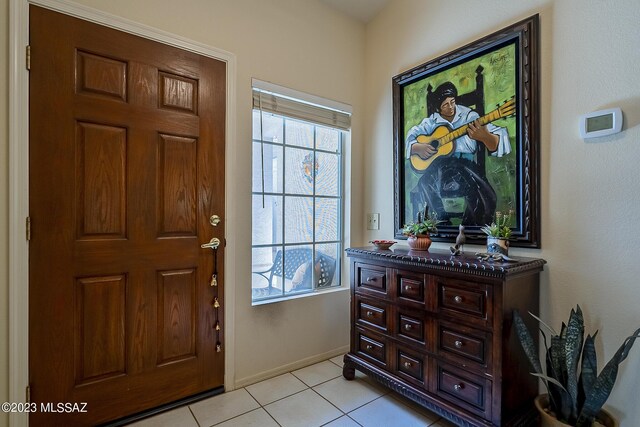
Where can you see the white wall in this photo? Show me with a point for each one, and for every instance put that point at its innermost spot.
(304, 45)
(590, 51)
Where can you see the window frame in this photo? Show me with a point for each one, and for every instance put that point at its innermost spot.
(283, 245)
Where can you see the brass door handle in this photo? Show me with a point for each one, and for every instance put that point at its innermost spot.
(213, 244)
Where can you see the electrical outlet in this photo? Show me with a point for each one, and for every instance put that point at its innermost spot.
(373, 221)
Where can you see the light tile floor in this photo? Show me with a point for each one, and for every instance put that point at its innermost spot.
(314, 396)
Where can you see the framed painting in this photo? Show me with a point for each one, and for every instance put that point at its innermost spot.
(466, 137)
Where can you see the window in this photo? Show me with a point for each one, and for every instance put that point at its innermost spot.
(297, 188)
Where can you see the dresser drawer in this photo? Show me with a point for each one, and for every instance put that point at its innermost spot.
(467, 301)
(411, 326)
(411, 366)
(370, 279)
(411, 288)
(371, 346)
(467, 345)
(371, 313)
(463, 389)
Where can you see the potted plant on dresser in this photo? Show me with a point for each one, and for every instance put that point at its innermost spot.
(418, 232)
(498, 233)
(575, 391)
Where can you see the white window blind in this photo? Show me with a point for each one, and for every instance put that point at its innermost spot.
(287, 102)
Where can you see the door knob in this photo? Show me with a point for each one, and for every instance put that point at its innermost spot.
(213, 244)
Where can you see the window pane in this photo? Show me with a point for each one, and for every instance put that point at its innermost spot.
(267, 220)
(298, 219)
(267, 271)
(327, 216)
(327, 174)
(327, 139)
(326, 262)
(272, 168)
(271, 126)
(299, 133)
(298, 271)
(299, 171)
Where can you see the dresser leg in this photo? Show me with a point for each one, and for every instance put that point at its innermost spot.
(348, 370)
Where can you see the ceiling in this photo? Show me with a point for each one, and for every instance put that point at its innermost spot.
(362, 10)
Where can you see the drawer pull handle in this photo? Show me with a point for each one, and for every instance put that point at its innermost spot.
(408, 327)
(407, 364)
(369, 313)
(457, 299)
(369, 347)
(371, 279)
(457, 387)
(458, 344)
(407, 287)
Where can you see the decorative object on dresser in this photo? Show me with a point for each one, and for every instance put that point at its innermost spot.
(498, 233)
(383, 244)
(438, 330)
(420, 230)
(572, 399)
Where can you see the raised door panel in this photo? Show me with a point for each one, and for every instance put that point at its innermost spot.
(176, 315)
(101, 76)
(177, 185)
(100, 350)
(101, 164)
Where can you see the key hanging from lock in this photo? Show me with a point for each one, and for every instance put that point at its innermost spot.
(214, 277)
(213, 245)
(216, 304)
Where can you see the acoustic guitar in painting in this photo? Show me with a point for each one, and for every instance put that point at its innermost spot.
(443, 139)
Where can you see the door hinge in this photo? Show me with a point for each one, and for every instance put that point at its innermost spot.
(28, 57)
(28, 226)
(28, 394)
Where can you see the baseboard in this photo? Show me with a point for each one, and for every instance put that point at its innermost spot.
(265, 375)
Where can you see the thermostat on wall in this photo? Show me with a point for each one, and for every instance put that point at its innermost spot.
(601, 123)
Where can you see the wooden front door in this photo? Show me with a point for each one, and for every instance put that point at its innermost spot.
(126, 163)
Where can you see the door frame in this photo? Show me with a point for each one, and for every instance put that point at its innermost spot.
(19, 179)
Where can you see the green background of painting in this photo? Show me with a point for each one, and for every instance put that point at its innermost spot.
(499, 85)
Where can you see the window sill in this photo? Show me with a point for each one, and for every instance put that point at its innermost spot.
(298, 296)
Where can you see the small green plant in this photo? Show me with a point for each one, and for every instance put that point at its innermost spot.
(576, 390)
(500, 227)
(425, 224)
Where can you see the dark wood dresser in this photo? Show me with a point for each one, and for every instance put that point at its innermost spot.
(437, 329)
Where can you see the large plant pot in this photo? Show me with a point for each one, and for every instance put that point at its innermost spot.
(419, 243)
(604, 418)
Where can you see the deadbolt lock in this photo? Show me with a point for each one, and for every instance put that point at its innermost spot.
(214, 220)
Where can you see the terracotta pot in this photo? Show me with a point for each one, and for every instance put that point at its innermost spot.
(604, 418)
(419, 243)
(497, 245)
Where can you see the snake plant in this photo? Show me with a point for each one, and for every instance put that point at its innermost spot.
(576, 390)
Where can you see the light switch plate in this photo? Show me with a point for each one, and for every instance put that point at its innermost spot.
(373, 221)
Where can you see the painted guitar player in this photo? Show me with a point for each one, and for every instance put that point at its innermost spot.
(443, 148)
